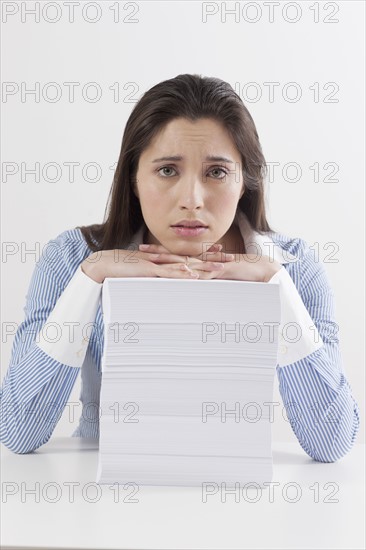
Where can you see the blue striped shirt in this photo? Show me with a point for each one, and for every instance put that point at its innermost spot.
(317, 397)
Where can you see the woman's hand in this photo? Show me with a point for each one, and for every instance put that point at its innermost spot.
(197, 268)
(159, 262)
(165, 255)
(250, 267)
(137, 263)
(239, 267)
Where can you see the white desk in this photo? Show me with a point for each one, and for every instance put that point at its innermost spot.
(169, 517)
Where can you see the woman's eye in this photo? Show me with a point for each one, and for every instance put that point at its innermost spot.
(165, 168)
(217, 169)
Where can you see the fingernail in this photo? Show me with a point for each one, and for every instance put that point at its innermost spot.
(144, 246)
(230, 256)
(217, 264)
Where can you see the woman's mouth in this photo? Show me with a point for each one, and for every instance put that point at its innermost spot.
(185, 231)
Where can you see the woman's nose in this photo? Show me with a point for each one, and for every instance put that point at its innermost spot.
(190, 194)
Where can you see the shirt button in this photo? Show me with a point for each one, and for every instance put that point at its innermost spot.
(283, 349)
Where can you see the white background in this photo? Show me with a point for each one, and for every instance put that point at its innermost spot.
(154, 41)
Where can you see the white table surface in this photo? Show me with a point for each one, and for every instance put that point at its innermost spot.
(176, 517)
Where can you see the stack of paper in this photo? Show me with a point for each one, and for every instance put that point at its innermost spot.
(187, 380)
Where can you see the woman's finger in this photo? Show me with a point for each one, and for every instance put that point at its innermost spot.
(206, 266)
(173, 258)
(206, 270)
(175, 271)
(160, 255)
(158, 248)
(166, 258)
(217, 257)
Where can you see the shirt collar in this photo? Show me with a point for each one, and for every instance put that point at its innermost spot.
(255, 243)
(262, 245)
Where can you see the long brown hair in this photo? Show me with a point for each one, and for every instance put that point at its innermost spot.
(193, 97)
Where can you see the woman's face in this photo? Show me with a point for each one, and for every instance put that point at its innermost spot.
(192, 187)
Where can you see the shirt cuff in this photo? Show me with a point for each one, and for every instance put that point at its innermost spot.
(65, 335)
(298, 336)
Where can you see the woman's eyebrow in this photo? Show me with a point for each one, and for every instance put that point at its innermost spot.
(180, 157)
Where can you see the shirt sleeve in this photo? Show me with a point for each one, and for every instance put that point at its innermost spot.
(45, 360)
(317, 397)
(71, 320)
(297, 333)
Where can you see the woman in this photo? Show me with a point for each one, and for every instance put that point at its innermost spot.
(190, 156)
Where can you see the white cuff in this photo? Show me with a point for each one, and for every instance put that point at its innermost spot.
(298, 336)
(65, 335)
